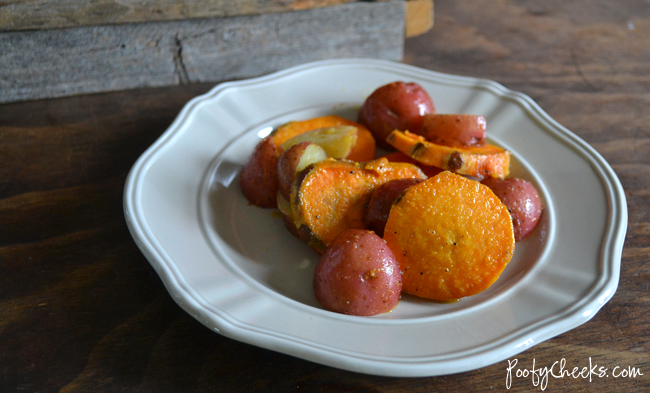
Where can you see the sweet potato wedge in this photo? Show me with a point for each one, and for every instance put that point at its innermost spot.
(363, 150)
(330, 196)
(484, 161)
(451, 236)
(398, 156)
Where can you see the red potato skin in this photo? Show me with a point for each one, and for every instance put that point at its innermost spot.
(382, 201)
(522, 200)
(358, 275)
(288, 223)
(395, 106)
(259, 177)
(287, 164)
(454, 130)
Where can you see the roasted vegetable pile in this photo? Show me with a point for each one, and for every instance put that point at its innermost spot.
(438, 218)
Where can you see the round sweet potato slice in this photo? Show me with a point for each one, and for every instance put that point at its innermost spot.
(331, 196)
(451, 236)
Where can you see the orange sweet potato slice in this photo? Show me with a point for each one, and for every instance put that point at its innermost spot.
(398, 156)
(363, 150)
(483, 161)
(330, 196)
(451, 236)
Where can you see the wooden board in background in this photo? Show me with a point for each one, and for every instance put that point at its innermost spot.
(88, 59)
(51, 14)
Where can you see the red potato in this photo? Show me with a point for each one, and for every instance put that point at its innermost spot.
(395, 106)
(259, 177)
(294, 160)
(454, 130)
(522, 200)
(287, 215)
(358, 275)
(382, 200)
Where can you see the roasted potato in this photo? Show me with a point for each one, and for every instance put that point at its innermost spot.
(454, 130)
(363, 149)
(259, 177)
(484, 161)
(338, 142)
(294, 160)
(451, 236)
(522, 200)
(395, 106)
(398, 156)
(330, 196)
(383, 198)
(358, 275)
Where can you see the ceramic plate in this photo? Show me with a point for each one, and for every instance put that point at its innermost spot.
(236, 269)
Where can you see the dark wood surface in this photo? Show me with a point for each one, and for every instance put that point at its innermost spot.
(81, 310)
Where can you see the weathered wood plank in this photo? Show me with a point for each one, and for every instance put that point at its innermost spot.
(49, 14)
(62, 62)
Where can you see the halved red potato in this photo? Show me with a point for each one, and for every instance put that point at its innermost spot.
(337, 142)
(294, 160)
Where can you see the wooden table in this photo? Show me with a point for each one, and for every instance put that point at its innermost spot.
(82, 310)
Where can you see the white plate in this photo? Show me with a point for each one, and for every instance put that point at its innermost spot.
(238, 271)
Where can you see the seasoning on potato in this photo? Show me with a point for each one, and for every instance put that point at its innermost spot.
(358, 275)
(522, 200)
(451, 236)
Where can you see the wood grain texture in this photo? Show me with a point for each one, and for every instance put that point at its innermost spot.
(81, 309)
(63, 62)
(54, 14)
